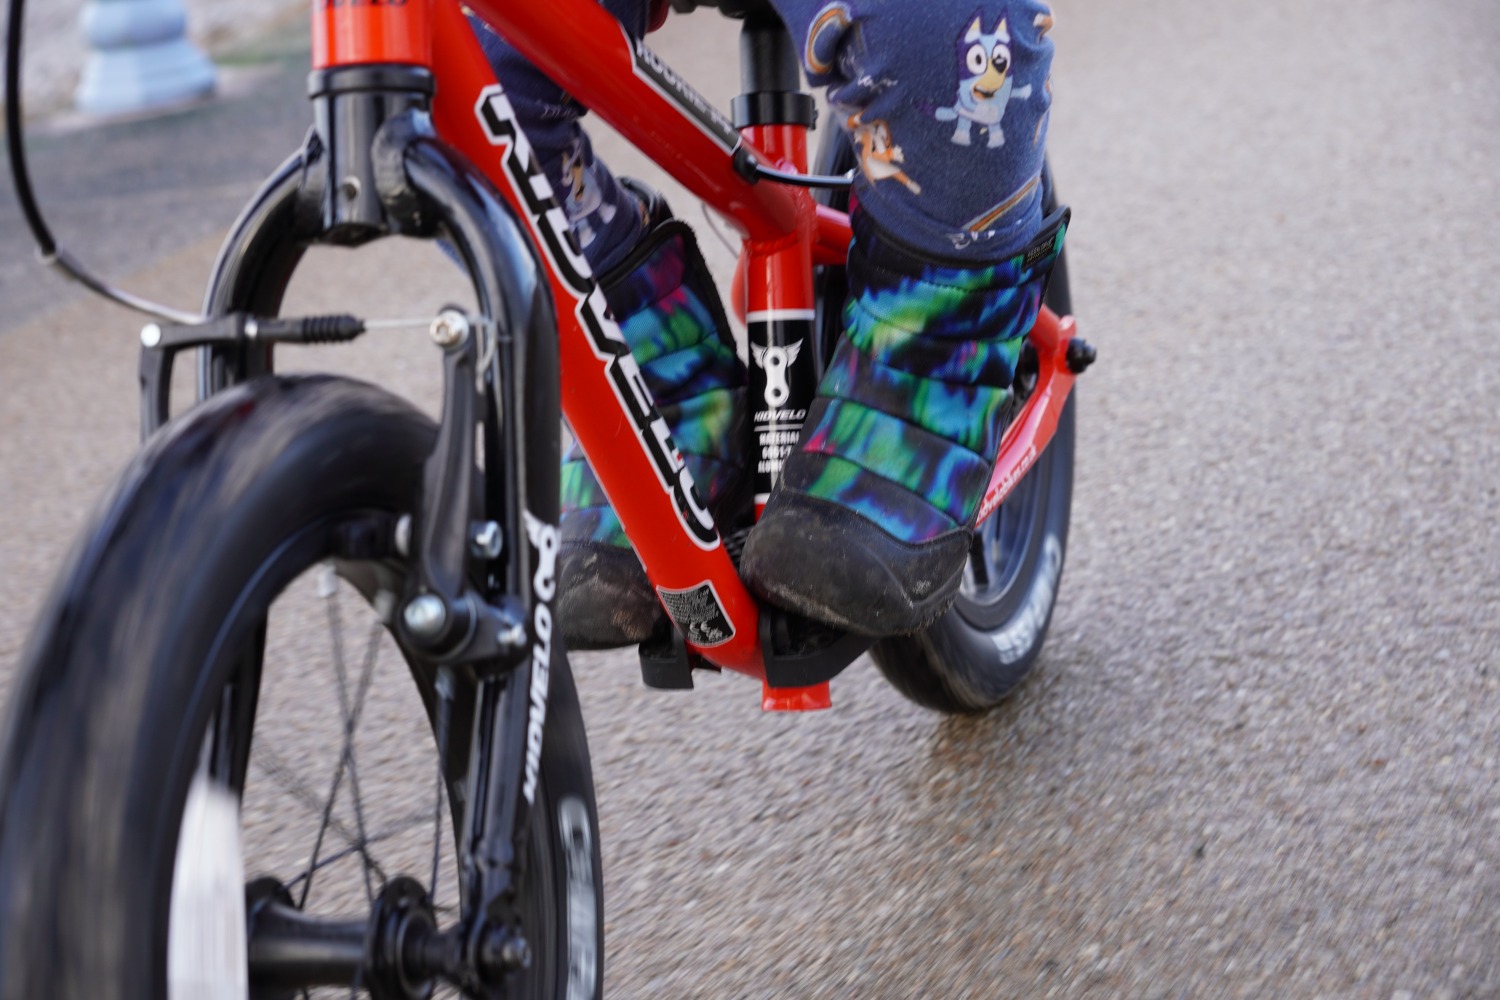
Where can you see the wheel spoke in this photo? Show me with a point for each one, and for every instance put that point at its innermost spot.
(409, 823)
(978, 570)
(351, 709)
(270, 761)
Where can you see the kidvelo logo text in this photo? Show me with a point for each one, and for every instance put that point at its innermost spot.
(1007, 483)
(561, 248)
(544, 539)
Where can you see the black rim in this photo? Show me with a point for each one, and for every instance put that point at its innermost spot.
(349, 836)
(1002, 547)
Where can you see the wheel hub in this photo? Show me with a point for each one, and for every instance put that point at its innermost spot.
(397, 953)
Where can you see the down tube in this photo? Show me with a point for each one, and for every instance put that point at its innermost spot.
(604, 397)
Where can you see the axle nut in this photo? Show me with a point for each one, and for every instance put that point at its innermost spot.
(449, 328)
(425, 615)
(1080, 355)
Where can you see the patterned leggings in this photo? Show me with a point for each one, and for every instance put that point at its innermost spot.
(946, 103)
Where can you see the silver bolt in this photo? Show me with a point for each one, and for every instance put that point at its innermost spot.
(349, 187)
(516, 953)
(425, 615)
(150, 335)
(403, 535)
(512, 636)
(450, 327)
(484, 541)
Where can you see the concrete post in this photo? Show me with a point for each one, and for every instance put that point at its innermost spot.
(139, 58)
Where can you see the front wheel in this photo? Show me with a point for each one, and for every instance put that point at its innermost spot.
(144, 832)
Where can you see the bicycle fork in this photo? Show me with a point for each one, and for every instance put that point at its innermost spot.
(483, 585)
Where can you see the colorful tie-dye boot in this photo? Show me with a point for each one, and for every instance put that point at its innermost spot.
(869, 527)
(669, 312)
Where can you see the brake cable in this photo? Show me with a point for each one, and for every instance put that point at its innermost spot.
(50, 253)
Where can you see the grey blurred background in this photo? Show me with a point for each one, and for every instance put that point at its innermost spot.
(1258, 756)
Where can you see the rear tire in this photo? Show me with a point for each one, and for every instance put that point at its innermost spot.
(158, 628)
(984, 646)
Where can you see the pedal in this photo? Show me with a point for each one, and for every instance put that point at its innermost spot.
(666, 662)
(801, 653)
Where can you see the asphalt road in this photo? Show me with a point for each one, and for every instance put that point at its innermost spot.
(1259, 756)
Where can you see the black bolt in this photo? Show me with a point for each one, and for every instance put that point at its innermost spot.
(501, 950)
(1080, 355)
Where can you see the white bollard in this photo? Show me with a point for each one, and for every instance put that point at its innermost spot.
(139, 58)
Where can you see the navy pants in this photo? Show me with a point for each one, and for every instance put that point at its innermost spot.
(946, 102)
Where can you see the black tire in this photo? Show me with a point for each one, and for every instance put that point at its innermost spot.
(976, 654)
(160, 622)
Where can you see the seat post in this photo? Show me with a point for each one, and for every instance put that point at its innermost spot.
(770, 76)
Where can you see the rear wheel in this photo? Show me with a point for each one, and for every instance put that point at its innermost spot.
(986, 644)
(202, 721)
(988, 641)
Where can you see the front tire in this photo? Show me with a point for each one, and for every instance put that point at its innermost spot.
(156, 658)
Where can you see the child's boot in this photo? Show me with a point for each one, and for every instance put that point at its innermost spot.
(870, 524)
(669, 311)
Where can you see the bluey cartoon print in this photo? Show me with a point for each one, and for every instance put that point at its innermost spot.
(581, 196)
(879, 156)
(828, 27)
(985, 84)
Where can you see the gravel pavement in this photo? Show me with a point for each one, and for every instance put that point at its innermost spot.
(1257, 758)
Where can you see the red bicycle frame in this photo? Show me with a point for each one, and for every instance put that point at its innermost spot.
(785, 233)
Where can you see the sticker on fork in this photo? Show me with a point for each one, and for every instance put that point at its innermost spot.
(699, 613)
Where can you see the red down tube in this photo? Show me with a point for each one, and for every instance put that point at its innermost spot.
(603, 396)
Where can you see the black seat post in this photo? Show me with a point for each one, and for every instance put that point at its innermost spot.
(770, 75)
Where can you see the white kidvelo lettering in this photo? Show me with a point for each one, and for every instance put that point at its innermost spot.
(583, 897)
(562, 252)
(1013, 641)
(1008, 482)
(544, 540)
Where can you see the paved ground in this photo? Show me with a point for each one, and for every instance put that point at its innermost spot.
(1259, 757)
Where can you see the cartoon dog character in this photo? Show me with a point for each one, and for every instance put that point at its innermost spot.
(985, 86)
(879, 156)
(582, 198)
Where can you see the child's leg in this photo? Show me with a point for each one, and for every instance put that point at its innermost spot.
(664, 300)
(947, 107)
(607, 218)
